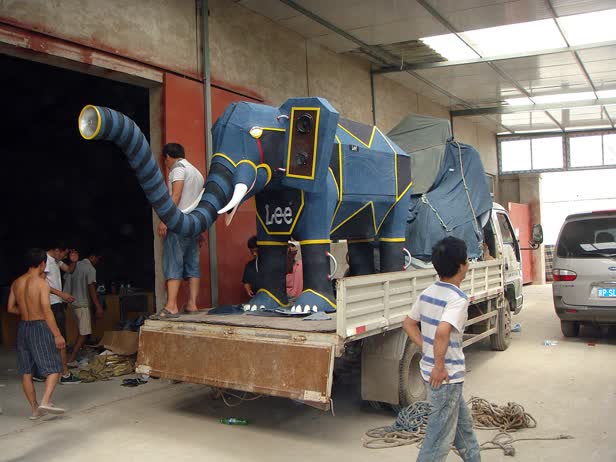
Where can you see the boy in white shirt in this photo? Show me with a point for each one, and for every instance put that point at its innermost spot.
(442, 310)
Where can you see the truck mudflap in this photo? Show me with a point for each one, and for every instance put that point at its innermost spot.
(276, 363)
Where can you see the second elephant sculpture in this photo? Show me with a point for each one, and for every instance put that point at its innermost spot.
(315, 177)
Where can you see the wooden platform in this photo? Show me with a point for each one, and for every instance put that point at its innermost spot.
(266, 322)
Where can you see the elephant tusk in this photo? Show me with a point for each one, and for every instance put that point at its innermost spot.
(238, 194)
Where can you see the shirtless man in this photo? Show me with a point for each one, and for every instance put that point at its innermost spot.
(38, 338)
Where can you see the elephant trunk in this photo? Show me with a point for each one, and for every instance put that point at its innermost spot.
(100, 123)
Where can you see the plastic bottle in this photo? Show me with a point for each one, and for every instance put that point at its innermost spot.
(233, 421)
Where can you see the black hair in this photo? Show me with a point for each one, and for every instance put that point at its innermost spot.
(174, 150)
(252, 242)
(51, 245)
(34, 257)
(448, 255)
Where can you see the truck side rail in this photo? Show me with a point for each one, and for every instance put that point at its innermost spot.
(379, 302)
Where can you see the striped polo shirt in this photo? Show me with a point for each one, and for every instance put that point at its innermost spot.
(442, 302)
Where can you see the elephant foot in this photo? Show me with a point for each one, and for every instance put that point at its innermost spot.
(263, 301)
(312, 302)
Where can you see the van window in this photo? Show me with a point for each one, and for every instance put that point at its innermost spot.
(592, 238)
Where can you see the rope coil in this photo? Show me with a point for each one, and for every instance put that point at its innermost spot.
(410, 426)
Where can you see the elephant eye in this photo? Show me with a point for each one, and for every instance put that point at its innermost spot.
(304, 123)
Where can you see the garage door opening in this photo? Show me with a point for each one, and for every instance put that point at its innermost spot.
(55, 185)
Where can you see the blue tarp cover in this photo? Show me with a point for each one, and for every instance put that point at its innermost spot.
(444, 210)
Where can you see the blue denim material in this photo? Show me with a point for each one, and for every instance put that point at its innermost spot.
(180, 257)
(450, 422)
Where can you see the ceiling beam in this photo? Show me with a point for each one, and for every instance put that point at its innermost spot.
(607, 114)
(440, 18)
(531, 107)
(388, 59)
(529, 54)
(375, 52)
(555, 120)
(576, 55)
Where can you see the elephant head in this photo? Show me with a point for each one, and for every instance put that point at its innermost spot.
(292, 144)
(253, 144)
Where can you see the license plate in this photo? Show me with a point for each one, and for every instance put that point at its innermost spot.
(607, 293)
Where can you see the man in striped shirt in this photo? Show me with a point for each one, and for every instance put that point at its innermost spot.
(442, 311)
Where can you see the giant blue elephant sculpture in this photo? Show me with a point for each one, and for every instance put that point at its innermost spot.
(315, 177)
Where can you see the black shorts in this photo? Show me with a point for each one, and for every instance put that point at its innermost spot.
(59, 313)
(36, 349)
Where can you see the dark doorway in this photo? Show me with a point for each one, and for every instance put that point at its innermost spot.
(55, 185)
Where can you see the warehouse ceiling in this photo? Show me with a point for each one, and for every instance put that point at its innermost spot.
(517, 66)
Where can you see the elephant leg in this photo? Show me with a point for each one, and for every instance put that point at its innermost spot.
(392, 254)
(272, 268)
(361, 257)
(391, 238)
(318, 293)
(271, 291)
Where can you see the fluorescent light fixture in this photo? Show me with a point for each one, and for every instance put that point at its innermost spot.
(515, 38)
(606, 94)
(597, 27)
(518, 101)
(558, 98)
(587, 127)
(563, 97)
(539, 130)
(450, 47)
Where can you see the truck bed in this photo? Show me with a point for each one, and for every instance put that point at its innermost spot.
(268, 322)
(290, 357)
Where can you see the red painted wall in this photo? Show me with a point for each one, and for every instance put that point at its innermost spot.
(520, 219)
(183, 122)
(231, 240)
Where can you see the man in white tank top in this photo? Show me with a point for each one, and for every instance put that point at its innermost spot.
(180, 253)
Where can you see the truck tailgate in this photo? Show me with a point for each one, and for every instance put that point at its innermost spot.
(290, 364)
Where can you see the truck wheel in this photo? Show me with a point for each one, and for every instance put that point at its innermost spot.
(500, 340)
(412, 387)
(570, 328)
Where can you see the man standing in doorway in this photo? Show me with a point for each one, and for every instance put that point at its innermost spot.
(58, 299)
(81, 284)
(180, 253)
(442, 310)
(38, 337)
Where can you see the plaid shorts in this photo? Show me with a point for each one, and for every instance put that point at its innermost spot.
(36, 349)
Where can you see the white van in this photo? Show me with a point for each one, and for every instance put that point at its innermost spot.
(584, 271)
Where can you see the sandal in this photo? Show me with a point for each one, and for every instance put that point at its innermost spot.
(164, 314)
(184, 310)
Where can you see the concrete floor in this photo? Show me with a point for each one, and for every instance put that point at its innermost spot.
(569, 388)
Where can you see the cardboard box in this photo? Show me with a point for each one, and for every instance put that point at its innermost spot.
(121, 342)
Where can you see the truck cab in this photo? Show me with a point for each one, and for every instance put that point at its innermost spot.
(502, 244)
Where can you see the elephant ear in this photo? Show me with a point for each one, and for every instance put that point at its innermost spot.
(309, 140)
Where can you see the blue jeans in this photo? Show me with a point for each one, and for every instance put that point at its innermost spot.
(450, 422)
(180, 257)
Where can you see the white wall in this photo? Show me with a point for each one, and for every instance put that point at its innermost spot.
(566, 193)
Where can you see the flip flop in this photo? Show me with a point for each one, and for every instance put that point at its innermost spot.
(184, 310)
(167, 315)
(51, 409)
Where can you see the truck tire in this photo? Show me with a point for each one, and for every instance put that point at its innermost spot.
(570, 328)
(412, 387)
(500, 340)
